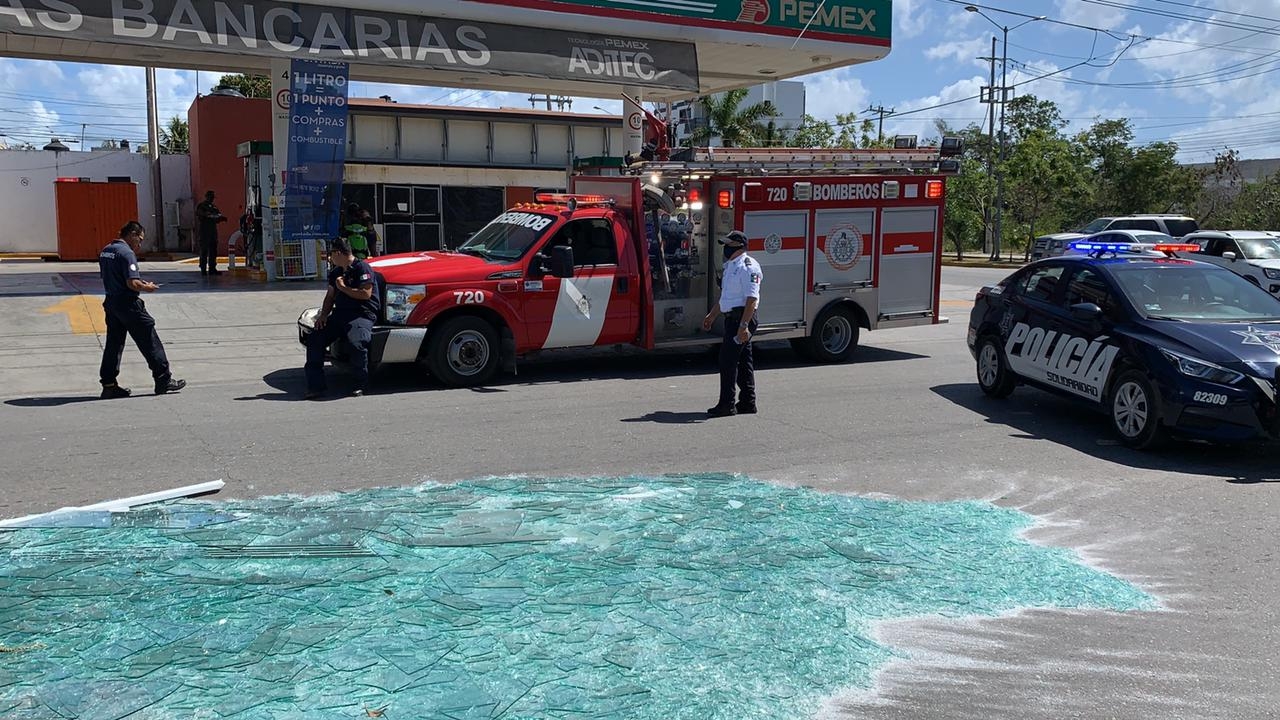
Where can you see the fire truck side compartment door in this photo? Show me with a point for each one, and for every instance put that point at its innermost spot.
(778, 240)
(845, 247)
(909, 245)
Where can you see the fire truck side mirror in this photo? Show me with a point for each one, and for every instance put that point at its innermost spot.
(561, 262)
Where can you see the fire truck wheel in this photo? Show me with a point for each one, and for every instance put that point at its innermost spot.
(994, 376)
(464, 352)
(835, 335)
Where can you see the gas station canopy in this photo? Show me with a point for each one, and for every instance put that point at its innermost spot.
(667, 49)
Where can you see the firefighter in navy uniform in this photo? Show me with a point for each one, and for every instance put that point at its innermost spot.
(127, 315)
(350, 309)
(739, 300)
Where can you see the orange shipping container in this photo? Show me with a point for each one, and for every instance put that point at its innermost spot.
(90, 214)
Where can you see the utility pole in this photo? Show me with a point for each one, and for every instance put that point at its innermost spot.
(880, 109)
(153, 152)
(561, 101)
(1004, 98)
(989, 98)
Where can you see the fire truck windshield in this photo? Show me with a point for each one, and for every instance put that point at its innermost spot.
(508, 236)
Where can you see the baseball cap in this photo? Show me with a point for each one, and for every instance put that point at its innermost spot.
(734, 237)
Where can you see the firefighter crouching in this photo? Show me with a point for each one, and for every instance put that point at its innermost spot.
(739, 300)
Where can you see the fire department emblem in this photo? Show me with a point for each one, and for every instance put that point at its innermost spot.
(1269, 339)
(843, 247)
(773, 243)
(755, 12)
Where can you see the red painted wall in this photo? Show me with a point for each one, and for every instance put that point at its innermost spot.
(217, 125)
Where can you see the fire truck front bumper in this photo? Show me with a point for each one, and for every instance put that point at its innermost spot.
(390, 344)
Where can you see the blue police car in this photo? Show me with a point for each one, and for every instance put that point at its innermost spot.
(1160, 343)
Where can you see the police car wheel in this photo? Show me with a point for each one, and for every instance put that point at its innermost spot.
(1134, 410)
(464, 351)
(835, 335)
(994, 376)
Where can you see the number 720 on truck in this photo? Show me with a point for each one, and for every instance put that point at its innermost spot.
(849, 240)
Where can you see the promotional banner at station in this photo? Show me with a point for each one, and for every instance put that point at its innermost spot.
(317, 152)
(366, 37)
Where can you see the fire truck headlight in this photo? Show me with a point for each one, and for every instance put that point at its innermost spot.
(402, 299)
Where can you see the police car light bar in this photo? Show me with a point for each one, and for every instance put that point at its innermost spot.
(1113, 247)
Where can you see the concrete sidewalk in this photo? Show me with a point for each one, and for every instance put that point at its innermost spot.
(215, 329)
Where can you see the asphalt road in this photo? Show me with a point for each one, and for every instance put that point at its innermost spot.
(1193, 525)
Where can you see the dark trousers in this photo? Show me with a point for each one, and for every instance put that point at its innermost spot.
(358, 332)
(736, 365)
(129, 317)
(208, 252)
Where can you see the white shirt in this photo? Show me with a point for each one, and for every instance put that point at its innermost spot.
(742, 276)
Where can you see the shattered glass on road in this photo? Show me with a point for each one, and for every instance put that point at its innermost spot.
(708, 596)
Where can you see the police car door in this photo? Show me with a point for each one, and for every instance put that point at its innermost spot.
(1085, 349)
(1030, 323)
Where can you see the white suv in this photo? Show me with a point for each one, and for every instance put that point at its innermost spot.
(1175, 226)
(1251, 254)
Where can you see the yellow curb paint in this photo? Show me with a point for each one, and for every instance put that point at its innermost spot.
(956, 302)
(84, 317)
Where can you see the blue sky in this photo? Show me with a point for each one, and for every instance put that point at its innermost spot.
(1204, 78)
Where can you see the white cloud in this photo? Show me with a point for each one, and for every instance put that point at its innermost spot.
(963, 51)
(910, 19)
(1099, 16)
(835, 91)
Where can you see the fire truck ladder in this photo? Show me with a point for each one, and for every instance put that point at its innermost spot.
(805, 161)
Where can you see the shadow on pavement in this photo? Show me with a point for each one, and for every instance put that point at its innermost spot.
(569, 366)
(57, 401)
(191, 281)
(1039, 415)
(666, 417)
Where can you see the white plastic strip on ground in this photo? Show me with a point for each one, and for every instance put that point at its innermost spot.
(124, 504)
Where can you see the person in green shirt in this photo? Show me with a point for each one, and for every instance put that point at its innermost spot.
(356, 232)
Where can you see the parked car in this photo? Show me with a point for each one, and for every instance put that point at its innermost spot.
(1251, 254)
(1055, 244)
(1161, 345)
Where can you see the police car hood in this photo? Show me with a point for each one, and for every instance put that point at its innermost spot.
(1247, 347)
(1268, 264)
(426, 267)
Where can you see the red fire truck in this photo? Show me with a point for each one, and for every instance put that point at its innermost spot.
(848, 240)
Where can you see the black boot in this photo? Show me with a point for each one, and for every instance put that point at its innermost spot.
(169, 385)
(722, 411)
(115, 392)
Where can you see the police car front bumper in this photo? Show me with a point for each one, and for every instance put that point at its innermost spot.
(1238, 413)
(390, 343)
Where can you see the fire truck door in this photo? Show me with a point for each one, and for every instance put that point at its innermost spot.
(909, 245)
(572, 312)
(844, 241)
(778, 240)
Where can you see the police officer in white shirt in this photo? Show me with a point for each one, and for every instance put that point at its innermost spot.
(739, 299)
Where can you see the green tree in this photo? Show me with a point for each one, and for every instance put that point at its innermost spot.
(1042, 171)
(175, 137)
(254, 86)
(968, 196)
(109, 144)
(814, 133)
(734, 125)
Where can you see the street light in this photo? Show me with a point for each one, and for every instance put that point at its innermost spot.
(1004, 86)
(597, 107)
(58, 148)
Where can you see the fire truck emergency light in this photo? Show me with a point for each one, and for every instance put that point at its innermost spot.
(933, 189)
(724, 199)
(951, 146)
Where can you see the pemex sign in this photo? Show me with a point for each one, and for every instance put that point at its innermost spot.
(360, 37)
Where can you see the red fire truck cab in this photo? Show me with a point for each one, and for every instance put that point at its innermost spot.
(847, 239)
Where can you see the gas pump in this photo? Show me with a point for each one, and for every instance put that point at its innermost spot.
(257, 157)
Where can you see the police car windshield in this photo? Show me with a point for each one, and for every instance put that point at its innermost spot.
(508, 236)
(1260, 249)
(1194, 293)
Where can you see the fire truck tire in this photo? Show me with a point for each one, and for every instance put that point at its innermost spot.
(464, 351)
(835, 335)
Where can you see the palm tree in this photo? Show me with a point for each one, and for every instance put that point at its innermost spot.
(735, 126)
(174, 137)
